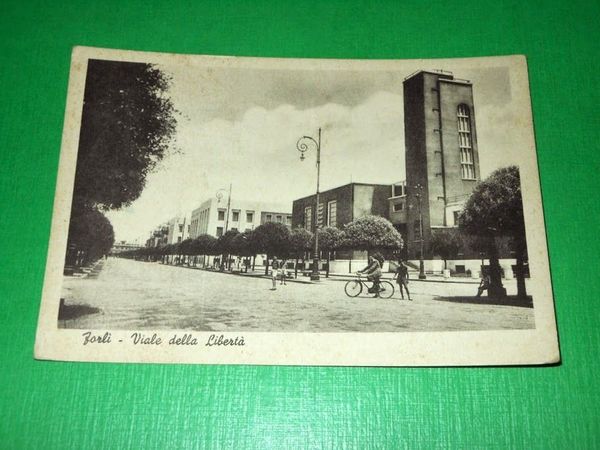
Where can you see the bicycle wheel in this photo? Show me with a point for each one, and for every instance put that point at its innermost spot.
(386, 289)
(353, 288)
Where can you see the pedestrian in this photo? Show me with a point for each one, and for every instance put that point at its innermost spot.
(274, 272)
(373, 272)
(282, 274)
(485, 282)
(402, 279)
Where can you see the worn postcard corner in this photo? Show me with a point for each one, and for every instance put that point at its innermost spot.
(224, 210)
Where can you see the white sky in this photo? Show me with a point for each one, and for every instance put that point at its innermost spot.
(241, 126)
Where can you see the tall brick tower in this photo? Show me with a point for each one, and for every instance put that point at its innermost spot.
(441, 153)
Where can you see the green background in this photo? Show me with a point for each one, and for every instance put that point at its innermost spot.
(66, 405)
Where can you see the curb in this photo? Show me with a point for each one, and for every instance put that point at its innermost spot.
(249, 275)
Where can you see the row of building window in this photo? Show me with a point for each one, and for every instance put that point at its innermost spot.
(467, 165)
(330, 219)
(235, 217)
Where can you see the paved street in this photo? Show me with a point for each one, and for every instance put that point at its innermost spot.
(136, 295)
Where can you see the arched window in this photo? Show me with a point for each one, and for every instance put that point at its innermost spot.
(467, 166)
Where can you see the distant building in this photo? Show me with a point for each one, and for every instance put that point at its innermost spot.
(212, 217)
(178, 229)
(123, 246)
(159, 236)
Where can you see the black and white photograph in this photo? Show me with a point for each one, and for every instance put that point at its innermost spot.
(297, 211)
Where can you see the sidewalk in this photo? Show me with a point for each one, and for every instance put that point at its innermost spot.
(431, 278)
(259, 273)
(251, 274)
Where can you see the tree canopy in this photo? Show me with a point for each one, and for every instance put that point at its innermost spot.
(243, 244)
(300, 242)
(127, 125)
(495, 208)
(273, 239)
(330, 238)
(446, 244)
(204, 244)
(224, 242)
(91, 234)
(370, 233)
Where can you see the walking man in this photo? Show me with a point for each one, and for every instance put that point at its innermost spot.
(402, 279)
(282, 273)
(485, 282)
(274, 272)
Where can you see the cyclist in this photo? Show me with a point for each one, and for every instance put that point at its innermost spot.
(373, 272)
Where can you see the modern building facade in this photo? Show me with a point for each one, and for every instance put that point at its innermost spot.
(340, 206)
(178, 229)
(214, 218)
(442, 158)
(442, 170)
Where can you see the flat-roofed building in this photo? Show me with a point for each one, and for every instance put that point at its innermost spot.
(213, 218)
(339, 206)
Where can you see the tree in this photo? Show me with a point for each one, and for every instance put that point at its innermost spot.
(495, 209)
(301, 241)
(243, 244)
(372, 233)
(224, 246)
(127, 124)
(330, 239)
(273, 239)
(91, 236)
(185, 248)
(204, 245)
(446, 244)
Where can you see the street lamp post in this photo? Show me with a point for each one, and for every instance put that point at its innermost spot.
(219, 196)
(418, 194)
(303, 145)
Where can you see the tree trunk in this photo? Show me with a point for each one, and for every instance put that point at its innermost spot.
(267, 266)
(328, 262)
(496, 289)
(296, 269)
(520, 270)
(253, 262)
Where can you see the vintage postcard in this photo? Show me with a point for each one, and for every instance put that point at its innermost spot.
(225, 210)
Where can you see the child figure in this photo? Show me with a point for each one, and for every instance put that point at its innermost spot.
(402, 279)
(282, 272)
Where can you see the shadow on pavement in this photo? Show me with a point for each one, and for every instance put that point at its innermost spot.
(68, 312)
(510, 300)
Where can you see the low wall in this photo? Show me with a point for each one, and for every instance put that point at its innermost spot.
(432, 266)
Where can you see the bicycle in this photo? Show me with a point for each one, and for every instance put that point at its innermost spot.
(354, 288)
